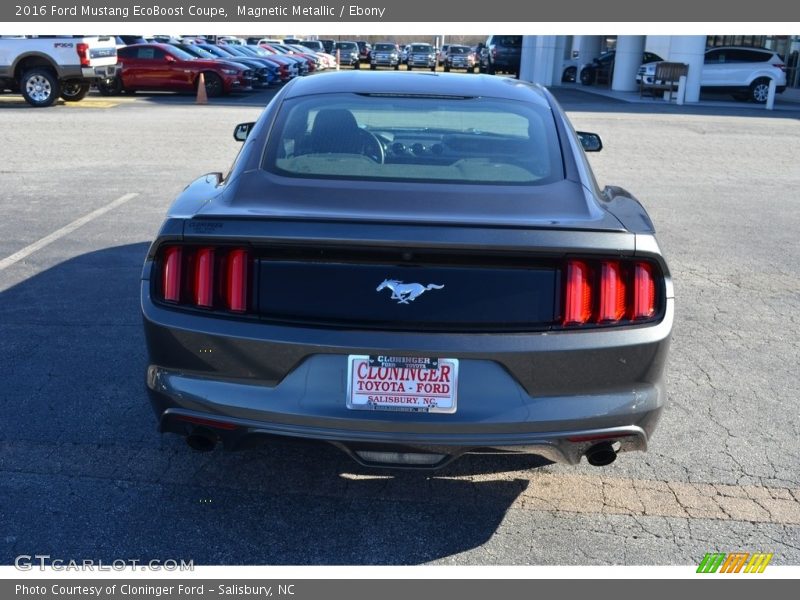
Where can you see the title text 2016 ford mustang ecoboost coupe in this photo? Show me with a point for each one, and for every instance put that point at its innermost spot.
(410, 267)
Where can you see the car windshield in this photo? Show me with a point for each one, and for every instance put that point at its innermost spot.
(458, 50)
(421, 48)
(419, 138)
(348, 46)
(384, 47)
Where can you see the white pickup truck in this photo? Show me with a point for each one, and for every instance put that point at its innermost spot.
(45, 68)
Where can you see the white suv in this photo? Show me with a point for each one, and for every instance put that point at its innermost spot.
(743, 72)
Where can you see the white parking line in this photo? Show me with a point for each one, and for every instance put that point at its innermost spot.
(66, 230)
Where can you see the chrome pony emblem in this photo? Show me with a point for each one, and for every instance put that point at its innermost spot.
(406, 292)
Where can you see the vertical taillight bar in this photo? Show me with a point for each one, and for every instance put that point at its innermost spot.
(237, 264)
(612, 292)
(204, 278)
(83, 53)
(578, 305)
(171, 274)
(644, 291)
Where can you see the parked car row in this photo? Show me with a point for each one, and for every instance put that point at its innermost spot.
(745, 73)
(226, 66)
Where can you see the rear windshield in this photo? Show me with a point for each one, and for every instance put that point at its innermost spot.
(507, 40)
(418, 138)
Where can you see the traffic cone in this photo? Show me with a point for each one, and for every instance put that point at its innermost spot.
(202, 98)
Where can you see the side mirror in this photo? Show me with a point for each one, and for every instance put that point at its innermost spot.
(169, 58)
(591, 142)
(242, 130)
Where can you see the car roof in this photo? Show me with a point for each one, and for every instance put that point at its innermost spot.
(739, 48)
(417, 84)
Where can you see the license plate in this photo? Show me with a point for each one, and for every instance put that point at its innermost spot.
(402, 383)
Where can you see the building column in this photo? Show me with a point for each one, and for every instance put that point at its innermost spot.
(691, 50)
(576, 45)
(558, 59)
(538, 56)
(527, 58)
(627, 60)
(588, 50)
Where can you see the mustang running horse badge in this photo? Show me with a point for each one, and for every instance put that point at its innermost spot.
(406, 292)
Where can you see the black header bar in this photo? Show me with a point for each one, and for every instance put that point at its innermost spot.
(395, 11)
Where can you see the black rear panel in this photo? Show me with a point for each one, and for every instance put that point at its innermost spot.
(478, 293)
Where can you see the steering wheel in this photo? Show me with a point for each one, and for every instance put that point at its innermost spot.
(373, 148)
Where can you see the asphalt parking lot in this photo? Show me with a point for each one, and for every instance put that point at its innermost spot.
(85, 474)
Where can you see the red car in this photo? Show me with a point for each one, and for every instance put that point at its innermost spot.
(165, 67)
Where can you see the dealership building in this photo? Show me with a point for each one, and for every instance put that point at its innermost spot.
(545, 57)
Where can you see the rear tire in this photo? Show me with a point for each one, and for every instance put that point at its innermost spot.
(569, 75)
(357, 65)
(40, 87)
(759, 90)
(433, 69)
(74, 90)
(490, 69)
(447, 68)
(410, 67)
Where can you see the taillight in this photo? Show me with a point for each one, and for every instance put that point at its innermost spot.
(171, 274)
(83, 53)
(612, 292)
(204, 278)
(609, 292)
(216, 278)
(781, 66)
(644, 291)
(578, 308)
(236, 288)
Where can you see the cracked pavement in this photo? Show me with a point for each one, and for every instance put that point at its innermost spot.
(85, 475)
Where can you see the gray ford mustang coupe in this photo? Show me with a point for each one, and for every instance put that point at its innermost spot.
(410, 267)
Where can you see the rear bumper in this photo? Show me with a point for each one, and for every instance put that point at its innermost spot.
(543, 393)
(107, 72)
